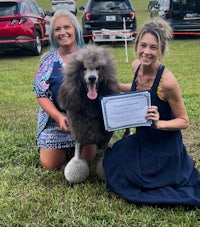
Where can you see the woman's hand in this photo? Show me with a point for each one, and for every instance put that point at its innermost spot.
(62, 123)
(60, 119)
(153, 114)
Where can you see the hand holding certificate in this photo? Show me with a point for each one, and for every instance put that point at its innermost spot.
(126, 110)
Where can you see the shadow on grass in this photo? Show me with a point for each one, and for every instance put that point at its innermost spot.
(14, 54)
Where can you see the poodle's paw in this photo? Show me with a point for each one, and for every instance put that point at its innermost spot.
(100, 170)
(76, 171)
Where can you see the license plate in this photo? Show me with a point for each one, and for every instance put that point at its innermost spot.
(111, 18)
(106, 37)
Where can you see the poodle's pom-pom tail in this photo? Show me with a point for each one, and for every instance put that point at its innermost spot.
(76, 171)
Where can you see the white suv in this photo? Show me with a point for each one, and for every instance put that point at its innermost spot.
(64, 4)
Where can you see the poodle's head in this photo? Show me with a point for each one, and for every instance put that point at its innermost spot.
(97, 67)
(90, 73)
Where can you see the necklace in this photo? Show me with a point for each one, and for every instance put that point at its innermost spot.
(145, 80)
(142, 84)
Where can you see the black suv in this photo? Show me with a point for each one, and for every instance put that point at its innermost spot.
(184, 16)
(108, 20)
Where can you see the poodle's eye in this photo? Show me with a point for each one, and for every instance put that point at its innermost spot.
(84, 68)
(97, 68)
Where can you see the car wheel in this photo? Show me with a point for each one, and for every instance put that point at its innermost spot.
(86, 40)
(87, 37)
(37, 45)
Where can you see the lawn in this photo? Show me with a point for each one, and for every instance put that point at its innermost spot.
(32, 196)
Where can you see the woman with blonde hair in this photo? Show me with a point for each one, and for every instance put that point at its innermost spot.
(152, 166)
(54, 141)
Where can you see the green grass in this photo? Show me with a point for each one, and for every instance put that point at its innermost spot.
(32, 196)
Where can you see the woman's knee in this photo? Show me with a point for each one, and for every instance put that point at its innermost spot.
(52, 159)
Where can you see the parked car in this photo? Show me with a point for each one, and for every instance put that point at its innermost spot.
(151, 4)
(160, 8)
(23, 24)
(183, 15)
(64, 4)
(104, 21)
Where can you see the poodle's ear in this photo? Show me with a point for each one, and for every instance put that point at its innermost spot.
(68, 100)
(69, 96)
(73, 74)
(108, 72)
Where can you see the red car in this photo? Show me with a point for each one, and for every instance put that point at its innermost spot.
(23, 24)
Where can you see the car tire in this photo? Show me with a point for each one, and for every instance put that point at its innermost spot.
(87, 36)
(86, 40)
(37, 45)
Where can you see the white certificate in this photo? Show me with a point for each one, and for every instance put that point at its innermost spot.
(126, 110)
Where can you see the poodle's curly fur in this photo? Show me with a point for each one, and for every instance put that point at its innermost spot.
(89, 74)
(85, 115)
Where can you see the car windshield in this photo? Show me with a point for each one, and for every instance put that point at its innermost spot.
(108, 5)
(8, 8)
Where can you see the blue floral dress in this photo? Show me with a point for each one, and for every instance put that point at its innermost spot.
(46, 84)
(152, 166)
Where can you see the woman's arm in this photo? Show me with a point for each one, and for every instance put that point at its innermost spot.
(54, 113)
(125, 87)
(171, 93)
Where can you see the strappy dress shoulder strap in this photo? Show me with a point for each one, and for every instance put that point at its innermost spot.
(133, 87)
(156, 81)
(158, 77)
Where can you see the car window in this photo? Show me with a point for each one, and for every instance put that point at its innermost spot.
(164, 3)
(27, 7)
(190, 5)
(31, 7)
(39, 9)
(8, 8)
(108, 5)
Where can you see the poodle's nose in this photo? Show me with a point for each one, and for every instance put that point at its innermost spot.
(92, 78)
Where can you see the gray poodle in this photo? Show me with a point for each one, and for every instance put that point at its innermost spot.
(89, 75)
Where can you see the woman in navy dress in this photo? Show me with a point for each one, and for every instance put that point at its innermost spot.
(152, 166)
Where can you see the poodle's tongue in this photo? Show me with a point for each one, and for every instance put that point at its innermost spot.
(92, 94)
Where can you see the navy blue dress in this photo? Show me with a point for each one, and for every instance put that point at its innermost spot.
(152, 166)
